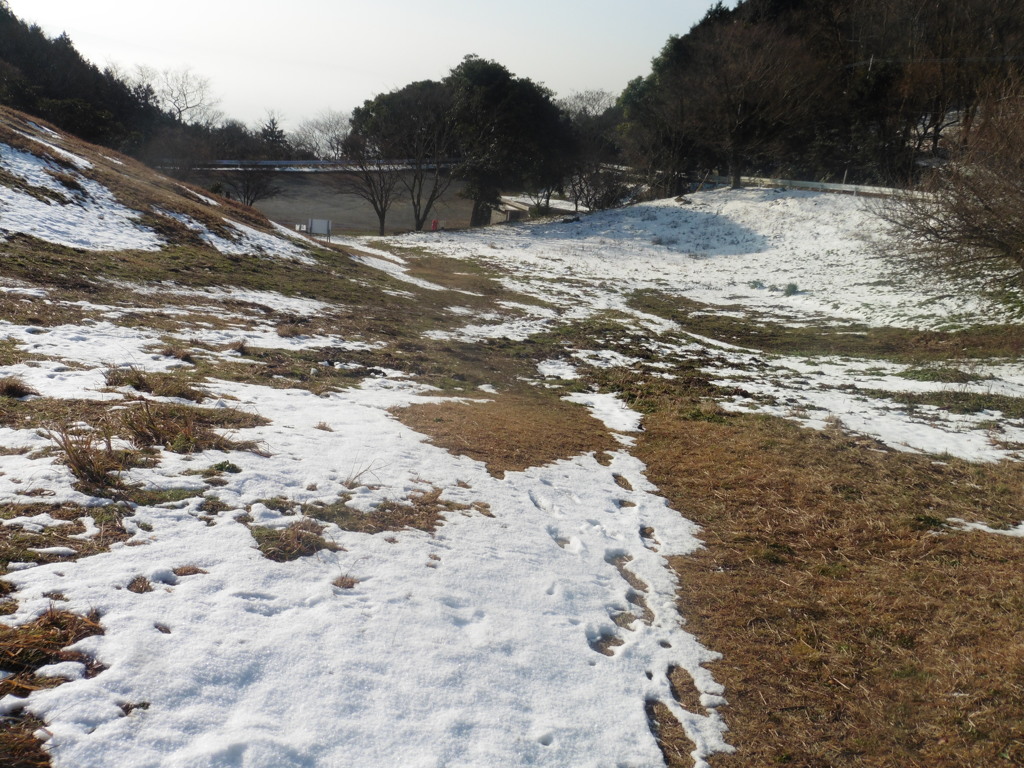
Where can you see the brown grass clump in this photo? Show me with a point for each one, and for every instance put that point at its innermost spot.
(423, 510)
(856, 628)
(13, 387)
(26, 648)
(188, 570)
(300, 539)
(511, 432)
(178, 352)
(180, 429)
(140, 585)
(90, 456)
(158, 384)
(18, 745)
(345, 582)
(17, 544)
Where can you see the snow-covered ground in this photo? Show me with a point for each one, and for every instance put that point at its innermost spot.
(473, 646)
(797, 257)
(499, 639)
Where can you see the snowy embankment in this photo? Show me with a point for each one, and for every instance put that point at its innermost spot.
(799, 258)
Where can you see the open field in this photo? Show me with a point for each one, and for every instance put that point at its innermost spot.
(716, 481)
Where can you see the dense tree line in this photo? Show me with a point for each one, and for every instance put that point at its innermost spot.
(856, 89)
(49, 78)
(165, 118)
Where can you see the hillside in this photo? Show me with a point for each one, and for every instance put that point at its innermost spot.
(720, 480)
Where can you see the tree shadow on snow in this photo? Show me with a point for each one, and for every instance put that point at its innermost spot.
(675, 228)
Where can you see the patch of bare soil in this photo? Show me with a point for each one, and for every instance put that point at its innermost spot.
(510, 432)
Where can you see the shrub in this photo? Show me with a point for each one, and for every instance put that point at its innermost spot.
(972, 208)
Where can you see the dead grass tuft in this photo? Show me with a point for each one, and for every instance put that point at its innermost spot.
(26, 648)
(188, 570)
(139, 585)
(423, 510)
(13, 387)
(511, 432)
(179, 429)
(19, 747)
(158, 384)
(179, 352)
(300, 539)
(90, 456)
(345, 582)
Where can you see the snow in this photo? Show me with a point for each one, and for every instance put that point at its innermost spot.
(737, 251)
(391, 265)
(90, 217)
(92, 220)
(429, 659)
(244, 240)
(725, 248)
(431, 640)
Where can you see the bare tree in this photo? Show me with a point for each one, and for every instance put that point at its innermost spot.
(595, 182)
(322, 136)
(373, 176)
(186, 95)
(251, 183)
(973, 207)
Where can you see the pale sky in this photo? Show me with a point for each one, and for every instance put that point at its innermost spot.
(301, 57)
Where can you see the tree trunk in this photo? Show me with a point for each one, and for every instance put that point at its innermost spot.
(481, 215)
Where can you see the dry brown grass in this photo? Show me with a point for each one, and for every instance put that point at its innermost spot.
(300, 539)
(12, 386)
(423, 510)
(26, 648)
(90, 457)
(182, 429)
(856, 629)
(17, 544)
(178, 351)
(139, 585)
(159, 384)
(511, 432)
(189, 570)
(19, 748)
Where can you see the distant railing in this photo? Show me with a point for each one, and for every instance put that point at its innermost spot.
(815, 186)
(313, 165)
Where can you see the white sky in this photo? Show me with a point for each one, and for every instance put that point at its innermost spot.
(301, 57)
